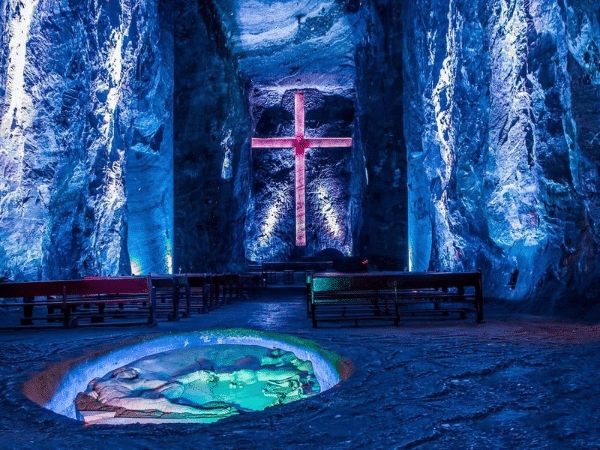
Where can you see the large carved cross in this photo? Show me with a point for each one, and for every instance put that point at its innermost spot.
(300, 143)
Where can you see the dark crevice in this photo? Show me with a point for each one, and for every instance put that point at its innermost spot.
(214, 26)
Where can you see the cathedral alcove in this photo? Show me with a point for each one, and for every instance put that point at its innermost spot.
(470, 149)
(356, 198)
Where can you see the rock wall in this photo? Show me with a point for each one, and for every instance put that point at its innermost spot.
(379, 65)
(501, 124)
(84, 99)
(211, 144)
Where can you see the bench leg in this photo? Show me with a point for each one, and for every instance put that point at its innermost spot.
(206, 294)
(188, 301)
(99, 318)
(174, 316)
(67, 316)
(27, 311)
(479, 306)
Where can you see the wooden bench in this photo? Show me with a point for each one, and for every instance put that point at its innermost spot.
(205, 292)
(252, 283)
(272, 269)
(297, 266)
(68, 295)
(123, 297)
(166, 290)
(388, 295)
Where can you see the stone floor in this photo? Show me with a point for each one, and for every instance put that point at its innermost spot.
(511, 382)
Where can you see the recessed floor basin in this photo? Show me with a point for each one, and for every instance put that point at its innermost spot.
(189, 377)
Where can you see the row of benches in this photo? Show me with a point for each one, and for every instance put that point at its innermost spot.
(388, 295)
(145, 298)
(330, 296)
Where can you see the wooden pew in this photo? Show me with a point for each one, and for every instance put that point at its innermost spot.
(271, 269)
(67, 295)
(385, 295)
(166, 289)
(297, 266)
(204, 291)
(225, 287)
(252, 283)
(197, 292)
(120, 297)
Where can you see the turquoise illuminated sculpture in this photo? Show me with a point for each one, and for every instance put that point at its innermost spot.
(201, 383)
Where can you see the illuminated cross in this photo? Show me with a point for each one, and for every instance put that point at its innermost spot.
(300, 143)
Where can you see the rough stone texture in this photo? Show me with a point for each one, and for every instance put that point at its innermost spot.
(380, 144)
(211, 144)
(269, 49)
(326, 47)
(501, 141)
(280, 48)
(292, 41)
(75, 101)
(147, 127)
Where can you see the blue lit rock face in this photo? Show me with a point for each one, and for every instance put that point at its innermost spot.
(85, 138)
(500, 126)
(302, 42)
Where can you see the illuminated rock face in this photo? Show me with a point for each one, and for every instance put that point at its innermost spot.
(202, 384)
(85, 138)
(503, 98)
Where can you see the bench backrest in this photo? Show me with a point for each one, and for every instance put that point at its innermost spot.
(121, 285)
(297, 265)
(163, 282)
(390, 281)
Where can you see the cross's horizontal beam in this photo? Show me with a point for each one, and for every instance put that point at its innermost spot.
(286, 142)
(329, 142)
(273, 142)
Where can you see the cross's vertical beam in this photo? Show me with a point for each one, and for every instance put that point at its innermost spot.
(299, 115)
(300, 145)
(300, 202)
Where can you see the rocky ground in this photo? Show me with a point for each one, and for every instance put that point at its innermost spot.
(514, 381)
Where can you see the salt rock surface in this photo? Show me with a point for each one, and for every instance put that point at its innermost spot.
(501, 172)
(85, 138)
